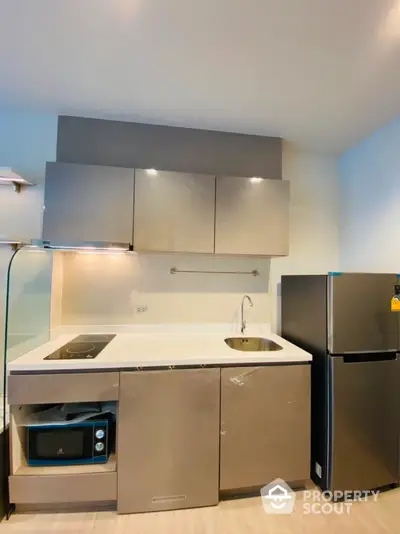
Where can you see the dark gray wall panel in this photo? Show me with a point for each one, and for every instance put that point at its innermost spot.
(130, 144)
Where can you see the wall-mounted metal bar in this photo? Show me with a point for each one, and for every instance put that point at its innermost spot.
(174, 270)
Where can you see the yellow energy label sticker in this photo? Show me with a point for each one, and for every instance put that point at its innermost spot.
(395, 304)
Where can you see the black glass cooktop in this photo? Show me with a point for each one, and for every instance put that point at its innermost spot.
(83, 347)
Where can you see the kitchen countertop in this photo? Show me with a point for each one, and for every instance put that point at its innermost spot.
(161, 347)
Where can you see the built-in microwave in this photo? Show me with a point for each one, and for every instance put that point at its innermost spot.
(87, 442)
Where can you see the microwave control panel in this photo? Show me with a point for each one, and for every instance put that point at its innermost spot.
(100, 439)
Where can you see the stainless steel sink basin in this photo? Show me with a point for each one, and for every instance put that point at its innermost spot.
(252, 344)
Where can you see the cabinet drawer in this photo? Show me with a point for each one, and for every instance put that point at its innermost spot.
(96, 487)
(57, 388)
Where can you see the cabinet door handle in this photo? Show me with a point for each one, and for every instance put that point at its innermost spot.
(365, 358)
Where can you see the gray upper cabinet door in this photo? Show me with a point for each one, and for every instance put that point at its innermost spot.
(88, 203)
(174, 212)
(252, 216)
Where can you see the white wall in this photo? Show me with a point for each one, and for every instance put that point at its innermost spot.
(314, 224)
(27, 141)
(370, 211)
(107, 290)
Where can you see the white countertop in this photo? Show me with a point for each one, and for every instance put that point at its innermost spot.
(161, 347)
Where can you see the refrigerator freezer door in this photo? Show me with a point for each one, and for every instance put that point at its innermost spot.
(359, 316)
(365, 420)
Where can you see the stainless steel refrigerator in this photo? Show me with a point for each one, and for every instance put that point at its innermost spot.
(344, 320)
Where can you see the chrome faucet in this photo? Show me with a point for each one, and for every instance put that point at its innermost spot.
(243, 327)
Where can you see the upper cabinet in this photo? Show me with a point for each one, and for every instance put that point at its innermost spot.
(174, 212)
(162, 211)
(88, 203)
(252, 216)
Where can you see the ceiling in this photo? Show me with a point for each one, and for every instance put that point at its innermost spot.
(321, 73)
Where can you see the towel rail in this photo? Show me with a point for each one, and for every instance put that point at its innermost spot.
(175, 270)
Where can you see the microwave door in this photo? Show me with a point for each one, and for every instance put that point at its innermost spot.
(60, 444)
(57, 445)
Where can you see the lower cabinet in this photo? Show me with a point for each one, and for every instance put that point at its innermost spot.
(58, 484)
(82, 488)
(265, 425)
(183, 435)
(168, 439)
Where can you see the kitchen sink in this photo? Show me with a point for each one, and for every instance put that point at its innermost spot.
(252, 344)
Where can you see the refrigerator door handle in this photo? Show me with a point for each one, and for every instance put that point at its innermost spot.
(365, 358)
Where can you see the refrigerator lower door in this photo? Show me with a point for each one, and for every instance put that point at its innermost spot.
(363, 444)
(359, 316)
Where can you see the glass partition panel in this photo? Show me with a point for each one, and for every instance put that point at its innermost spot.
(28, 297)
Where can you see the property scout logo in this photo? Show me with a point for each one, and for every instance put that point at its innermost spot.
(278, 498)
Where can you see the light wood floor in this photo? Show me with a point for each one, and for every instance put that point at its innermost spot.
(244, 516)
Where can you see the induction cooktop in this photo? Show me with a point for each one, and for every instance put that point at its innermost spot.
(83, 347)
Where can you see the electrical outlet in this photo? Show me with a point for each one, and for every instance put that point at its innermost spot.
(142, 308)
